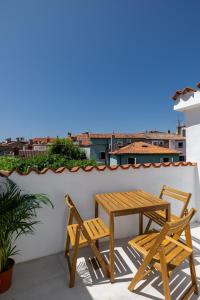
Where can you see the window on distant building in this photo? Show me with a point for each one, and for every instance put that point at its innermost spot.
(120, 144)
(155, 143)
(131, 160)
(180, 144)
(181, 158)
(129, 141)
(102, 155)
(183, 132)
(165, 159)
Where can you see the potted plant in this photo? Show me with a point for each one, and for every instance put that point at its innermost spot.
(18, 212)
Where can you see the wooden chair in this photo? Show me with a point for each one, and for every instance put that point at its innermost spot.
(165, 253)
(159, 217)
(81, 234)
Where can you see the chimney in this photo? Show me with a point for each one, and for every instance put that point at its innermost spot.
(8, 140)
(169, 131)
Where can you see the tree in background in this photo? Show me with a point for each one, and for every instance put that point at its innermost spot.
(65, 147)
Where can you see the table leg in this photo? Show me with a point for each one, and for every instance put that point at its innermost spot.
(140, 223)
(111, 254)
(96, 216)
(168, 213)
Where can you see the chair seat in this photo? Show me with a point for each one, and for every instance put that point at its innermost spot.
(95, 228)
(175, 252)
(159, 217)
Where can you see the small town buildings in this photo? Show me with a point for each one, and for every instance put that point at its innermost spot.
(42, 143)
(12, 147)
(25, 148)
(140, 152)
(98, 145)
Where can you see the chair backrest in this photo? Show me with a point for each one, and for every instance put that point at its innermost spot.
(172, 228)
(178, 195)
(73, 210)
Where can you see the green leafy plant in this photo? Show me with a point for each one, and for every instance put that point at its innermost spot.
(67, 149)
(40, 162)
(18, 213)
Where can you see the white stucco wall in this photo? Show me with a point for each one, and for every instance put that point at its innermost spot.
(87, 151)
(187, 101)
(49, 237)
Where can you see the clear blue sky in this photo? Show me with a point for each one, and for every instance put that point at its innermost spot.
(97, 65)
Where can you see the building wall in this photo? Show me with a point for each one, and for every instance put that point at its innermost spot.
(173, 144)
(87, 151)
(98, 146)
(49, 235)
(140, 159)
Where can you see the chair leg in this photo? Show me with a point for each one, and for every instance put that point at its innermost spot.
(165, 276)
(74, 259)
(100, 259)
(193, 274)
(67, 245)
(148, 226)
(140, 273)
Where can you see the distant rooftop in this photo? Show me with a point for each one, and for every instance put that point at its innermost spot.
(144, 148)
(85, 138)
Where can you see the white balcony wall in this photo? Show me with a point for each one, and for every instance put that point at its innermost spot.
(49, 235)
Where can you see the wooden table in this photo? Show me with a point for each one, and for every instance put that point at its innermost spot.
(127, 203)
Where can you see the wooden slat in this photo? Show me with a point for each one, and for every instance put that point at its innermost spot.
(102, 225)
(173, 254)
(106, 198)
(179, 259)
(113, 201)
(174, 196)
(176, 191)
(99, 227)
(148, 239)
(120, 197)
(135, 199)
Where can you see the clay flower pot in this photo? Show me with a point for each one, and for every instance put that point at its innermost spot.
(6, 277)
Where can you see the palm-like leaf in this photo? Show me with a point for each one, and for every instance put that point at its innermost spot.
(18, 212)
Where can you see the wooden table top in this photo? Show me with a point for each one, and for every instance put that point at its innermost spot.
(136, 201)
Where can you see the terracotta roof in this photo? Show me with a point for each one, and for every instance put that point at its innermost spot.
(144, 148)
(163, 136)
(153, 135)
(183, 92)
(4, 173)
(83, 139)
(116, 135)
(43, 140)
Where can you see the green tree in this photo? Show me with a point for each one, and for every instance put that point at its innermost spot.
(66, 148)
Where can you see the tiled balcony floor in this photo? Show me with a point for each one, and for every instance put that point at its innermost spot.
(47, 278)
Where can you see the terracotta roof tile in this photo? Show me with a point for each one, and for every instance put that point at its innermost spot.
(183, 92)
(144, 148)
(4, 173)
(43, 140)
(85, 138)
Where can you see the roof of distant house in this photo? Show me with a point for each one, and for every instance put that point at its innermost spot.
(43, 140)
(85, 138)
(144, 148)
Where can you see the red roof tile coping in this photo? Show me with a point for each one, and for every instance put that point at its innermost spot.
(183, 92)
(4, 173)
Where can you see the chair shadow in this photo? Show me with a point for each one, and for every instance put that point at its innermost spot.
(90, 272)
